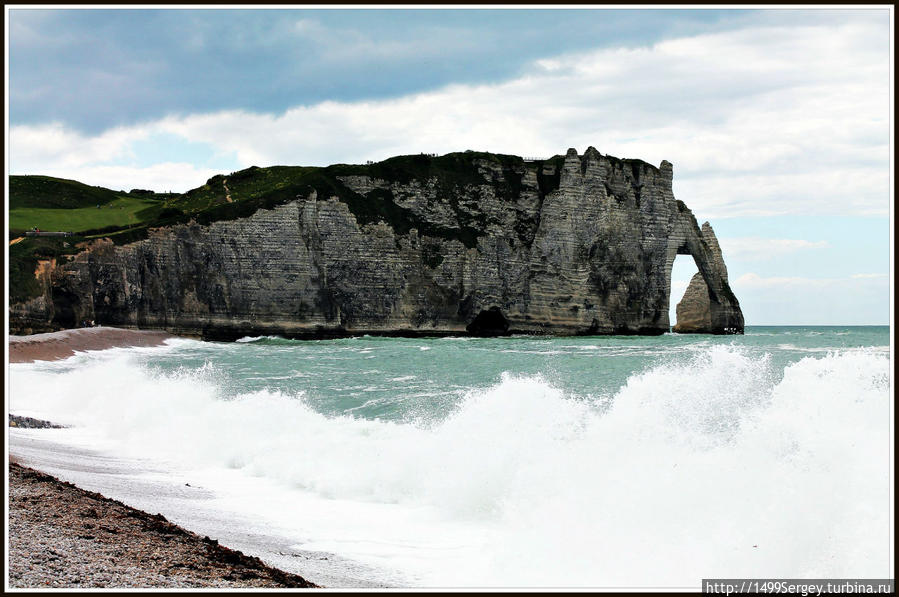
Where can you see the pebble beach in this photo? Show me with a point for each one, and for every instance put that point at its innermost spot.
(61, 536)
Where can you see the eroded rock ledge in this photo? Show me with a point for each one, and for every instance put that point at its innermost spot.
(577, 245)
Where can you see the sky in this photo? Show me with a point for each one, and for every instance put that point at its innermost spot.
(778, 121)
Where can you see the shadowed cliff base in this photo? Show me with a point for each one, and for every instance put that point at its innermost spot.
(411, 246)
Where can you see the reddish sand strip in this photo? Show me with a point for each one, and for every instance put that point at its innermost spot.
(61, 345)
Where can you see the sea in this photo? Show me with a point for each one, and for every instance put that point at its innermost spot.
(524, 461)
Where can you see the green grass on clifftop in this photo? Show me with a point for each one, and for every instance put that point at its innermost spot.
(118, 213)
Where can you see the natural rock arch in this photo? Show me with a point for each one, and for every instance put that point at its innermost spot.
(708, 305)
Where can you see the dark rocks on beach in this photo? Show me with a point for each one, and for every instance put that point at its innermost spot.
(29, 423)
(61, 536)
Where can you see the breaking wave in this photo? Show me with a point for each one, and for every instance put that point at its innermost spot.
(716, 466)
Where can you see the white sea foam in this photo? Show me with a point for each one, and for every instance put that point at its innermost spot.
(247, 339)
(716, 466)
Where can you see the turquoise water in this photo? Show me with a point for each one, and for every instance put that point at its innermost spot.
(521, 461)
(403, 379)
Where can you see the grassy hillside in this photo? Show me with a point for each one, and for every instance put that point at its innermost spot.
(252, 183)
(120, 212)
(55, 193)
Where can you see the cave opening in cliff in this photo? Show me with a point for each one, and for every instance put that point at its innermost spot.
(64, 308)
(682, 271)
(489, 322)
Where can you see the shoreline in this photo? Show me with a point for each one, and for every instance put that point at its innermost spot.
(62, 536)
(53, 346)
(331, 570)
(181, 499)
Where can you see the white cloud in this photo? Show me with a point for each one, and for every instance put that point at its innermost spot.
(760, 121)
(794, 300)
(168, 176)
(37, 149)
(753, 280)
(52, 150)
(857, 276)
(752, 248)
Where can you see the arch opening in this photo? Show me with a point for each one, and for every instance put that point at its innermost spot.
(684, 294)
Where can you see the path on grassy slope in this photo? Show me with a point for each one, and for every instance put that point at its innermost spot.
(227, 191)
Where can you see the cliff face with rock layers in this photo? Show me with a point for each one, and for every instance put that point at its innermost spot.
(572, 245)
